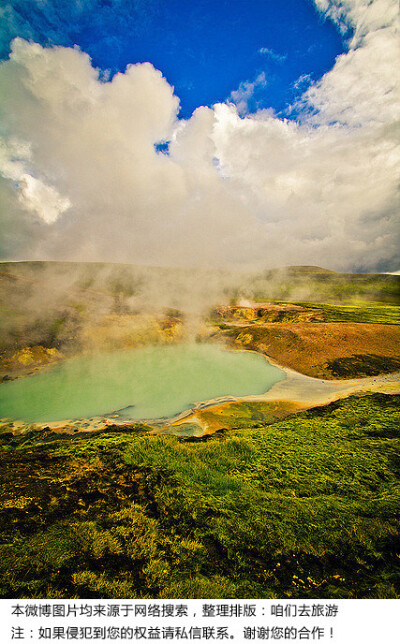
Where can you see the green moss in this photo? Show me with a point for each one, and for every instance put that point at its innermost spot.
(304, 507)
(319, 285)
(367, 313)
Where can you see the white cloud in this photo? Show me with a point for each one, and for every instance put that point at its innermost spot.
(235, 187)
(302, 82)
(278, 58)
(245, 92)
(361, 16)
(33, 194)
(363, 87)
(42, 199)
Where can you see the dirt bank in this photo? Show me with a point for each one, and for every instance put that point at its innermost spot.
(324, 350)
(268, 312)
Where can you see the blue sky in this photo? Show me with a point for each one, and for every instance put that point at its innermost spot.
(205, 49)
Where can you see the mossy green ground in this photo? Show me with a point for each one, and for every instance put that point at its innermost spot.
(304, 507)
(367, 313)
(361, 312)
(316, 284)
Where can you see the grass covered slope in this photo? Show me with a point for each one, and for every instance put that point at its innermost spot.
(367, 313)
(305, 507)
(315, 284)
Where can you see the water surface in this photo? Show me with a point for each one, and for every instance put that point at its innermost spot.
(148, 383)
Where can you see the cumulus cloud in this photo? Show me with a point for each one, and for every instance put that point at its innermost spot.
(33, 193)
(83, 179)
(361, 16)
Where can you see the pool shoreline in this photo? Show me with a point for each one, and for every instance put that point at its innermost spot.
(305, 392)
(150, 384)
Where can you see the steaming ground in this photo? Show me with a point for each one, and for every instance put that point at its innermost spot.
(314, 323)
(51, 309)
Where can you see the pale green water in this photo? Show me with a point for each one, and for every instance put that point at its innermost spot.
(153, 382)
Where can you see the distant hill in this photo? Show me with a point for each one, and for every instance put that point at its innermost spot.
(302, 270)
(55, 289)
(315, 284)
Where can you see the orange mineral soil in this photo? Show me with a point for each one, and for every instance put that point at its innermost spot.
(327, 350)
